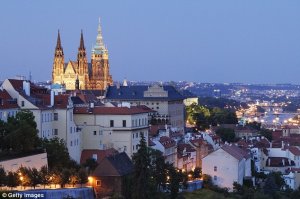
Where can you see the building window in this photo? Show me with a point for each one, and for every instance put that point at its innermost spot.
(55, 131)
(95, 132)
(124, 123)
(22, 103)
(141, 134)
(71, 129)
(71, 143)
(133, 135)
(137, 147)
(111, 123)
(215, 178)
(100, 132)
(136, 135)
(55, 116)
(133, 147)
(215, 168)
(139, 122)
(98, 183)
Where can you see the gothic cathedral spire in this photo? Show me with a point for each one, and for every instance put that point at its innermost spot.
(82, 67)
(58, 64)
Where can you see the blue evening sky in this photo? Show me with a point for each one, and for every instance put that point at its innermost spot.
(255, 41)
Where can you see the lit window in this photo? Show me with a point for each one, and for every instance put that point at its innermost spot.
(98, 183)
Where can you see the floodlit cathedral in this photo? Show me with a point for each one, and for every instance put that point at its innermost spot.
(80, 74)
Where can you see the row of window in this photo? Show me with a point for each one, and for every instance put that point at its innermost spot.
(49, 117)
(136, 135)
(7, 114)
(139, 122)
(74, 143)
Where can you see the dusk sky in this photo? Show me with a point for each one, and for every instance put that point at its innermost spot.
(159, 40)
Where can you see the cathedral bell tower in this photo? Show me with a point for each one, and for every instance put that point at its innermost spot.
(100, 65)
(82, 67)
(58, 63)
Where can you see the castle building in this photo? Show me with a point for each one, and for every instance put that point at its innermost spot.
(80, 74)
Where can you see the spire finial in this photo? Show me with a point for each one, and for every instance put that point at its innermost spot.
(58, 43)
(81, 46)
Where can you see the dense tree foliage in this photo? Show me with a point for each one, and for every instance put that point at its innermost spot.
(203, 116)
(226, 134)
(19, 134)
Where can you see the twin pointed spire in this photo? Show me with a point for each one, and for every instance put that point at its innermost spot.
(81, 46)
(58, 49)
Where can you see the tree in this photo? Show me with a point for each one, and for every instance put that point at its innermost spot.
(158, 169)
(270, 185)
(226, 134)
(57, 152)
(82, 176)
(141, 161)
(65, 177)
(55, 177)
(207, 181)
(197, 172)
(2, 177)
(174, 181)
(73, 179)
(91, 164)
(45, 176)
(266, 133)
(12, 179)
(34, 177)
(21, 134)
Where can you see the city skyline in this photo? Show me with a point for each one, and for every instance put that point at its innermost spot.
(218, 41)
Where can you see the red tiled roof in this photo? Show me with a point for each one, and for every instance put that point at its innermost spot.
(61, 101)
(167, 142)
(187, 147)
(235, 151)
(101, 154)
(6, 101)
(279, 162)
(294, 150)
(110, 110)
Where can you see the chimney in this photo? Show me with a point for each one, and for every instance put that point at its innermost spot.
(282, 144)
(283, 162)
(52, 98)
(26, 87)
(92, 105)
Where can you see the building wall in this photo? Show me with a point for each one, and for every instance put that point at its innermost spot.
(229, 169)
(6, 113)
(176, 112)
(33, 161)
(98, 134)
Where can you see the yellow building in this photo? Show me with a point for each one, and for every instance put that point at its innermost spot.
(80, 74)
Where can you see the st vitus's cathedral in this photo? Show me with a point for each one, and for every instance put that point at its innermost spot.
(80, 74)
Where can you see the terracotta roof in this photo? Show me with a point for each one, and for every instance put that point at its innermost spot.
(111, 110)
(294, 150)
(187, 147)
(6, 101)
(101, 154)
(167, 142)
(235, 151)
(154, 129)
(61, 101)
(279, 162)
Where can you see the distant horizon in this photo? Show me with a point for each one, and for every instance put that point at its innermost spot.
(153, 81)
(255, 42)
